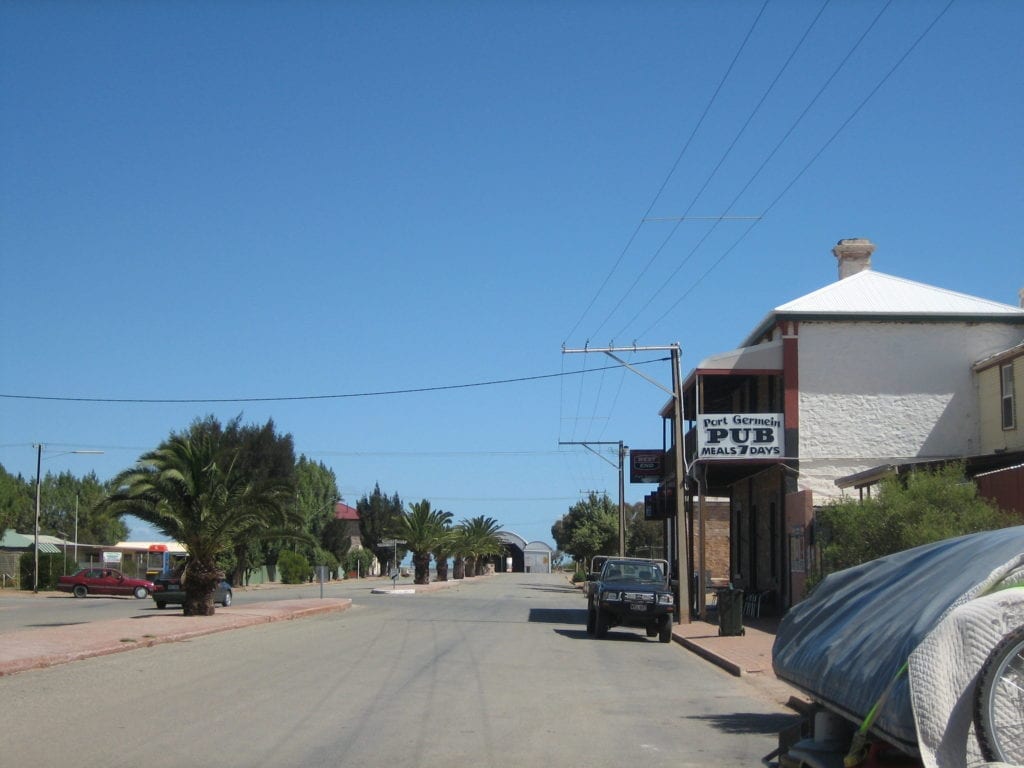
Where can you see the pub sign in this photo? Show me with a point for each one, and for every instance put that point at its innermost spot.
(646, 466)
(740, 436)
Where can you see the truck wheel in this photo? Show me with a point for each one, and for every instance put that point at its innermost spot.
(665, 633)
(591, 621)
(600, 623)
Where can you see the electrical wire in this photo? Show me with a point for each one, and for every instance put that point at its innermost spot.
(806, 166)
(382, 393)
(746, 124)
(668, 177)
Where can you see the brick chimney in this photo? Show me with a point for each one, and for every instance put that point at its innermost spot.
(854, 255)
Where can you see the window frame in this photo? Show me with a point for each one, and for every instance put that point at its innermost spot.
(1007, 397)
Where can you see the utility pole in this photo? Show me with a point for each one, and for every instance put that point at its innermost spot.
(623, 451)
(676, 393)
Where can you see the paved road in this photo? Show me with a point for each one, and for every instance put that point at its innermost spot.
(495, 673)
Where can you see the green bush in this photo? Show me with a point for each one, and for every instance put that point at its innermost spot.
(919, 508)
(321, 556)
(358, 560)
(293, 568)
(51, 568)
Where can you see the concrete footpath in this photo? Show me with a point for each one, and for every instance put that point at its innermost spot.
(26, 649)
(748, 656)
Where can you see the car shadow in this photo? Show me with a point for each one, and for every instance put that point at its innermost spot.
(748, 722)
(623, 637)
(629, 637)
(558, 616)
(573, 634)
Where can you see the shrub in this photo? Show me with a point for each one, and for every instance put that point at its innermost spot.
(293, 568)
(920, 508)
(51, 568)
(358, 560)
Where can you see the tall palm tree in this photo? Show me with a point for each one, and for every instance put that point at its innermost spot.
(187, 490)
(423, 528)
(478, 539)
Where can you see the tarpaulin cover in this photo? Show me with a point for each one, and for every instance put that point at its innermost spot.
(845, 643)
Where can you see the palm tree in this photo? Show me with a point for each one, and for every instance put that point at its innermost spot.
(187, 490)
(477, 539)
(443, 548)
(423, 529)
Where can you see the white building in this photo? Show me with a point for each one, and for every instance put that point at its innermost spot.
(869, 370)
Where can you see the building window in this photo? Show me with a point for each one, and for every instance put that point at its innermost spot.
(1006, 393)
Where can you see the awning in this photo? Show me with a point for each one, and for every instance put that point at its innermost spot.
(14, 540)
(760, 357)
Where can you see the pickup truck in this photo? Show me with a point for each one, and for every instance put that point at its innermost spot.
(632, 592)
(596, 564)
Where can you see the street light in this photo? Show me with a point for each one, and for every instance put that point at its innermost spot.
(39, 464)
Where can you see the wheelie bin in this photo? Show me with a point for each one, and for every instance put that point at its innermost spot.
(730, 612)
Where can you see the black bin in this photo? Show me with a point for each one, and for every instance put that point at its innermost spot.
(730, 612)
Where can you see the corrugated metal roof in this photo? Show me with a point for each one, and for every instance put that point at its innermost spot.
(14, 540)
(875, 292)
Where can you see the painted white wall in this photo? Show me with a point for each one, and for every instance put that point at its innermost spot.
(872, 393)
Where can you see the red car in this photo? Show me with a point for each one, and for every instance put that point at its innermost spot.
(104, 581)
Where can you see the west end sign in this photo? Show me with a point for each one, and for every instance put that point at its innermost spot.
(740, 436)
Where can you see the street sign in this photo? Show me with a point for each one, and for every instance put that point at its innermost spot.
(391, 542)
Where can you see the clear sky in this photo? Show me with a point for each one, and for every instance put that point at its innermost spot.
(227, 207)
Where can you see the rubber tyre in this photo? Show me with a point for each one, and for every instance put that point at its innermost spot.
(227, 599)
(141, 593)
(161, 606)
(591, 621)
(1000, 741)
(665, 632)
(652, 630)
(600, 623)
(80, 590)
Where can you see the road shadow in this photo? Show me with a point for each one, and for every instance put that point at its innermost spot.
(748, 722)
(573, 634)
(621, 637)
(58, 624)
(558, 616)
(550, 588)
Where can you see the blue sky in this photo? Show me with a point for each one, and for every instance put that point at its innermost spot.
(252, 203)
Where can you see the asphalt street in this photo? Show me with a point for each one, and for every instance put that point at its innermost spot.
(495, 671)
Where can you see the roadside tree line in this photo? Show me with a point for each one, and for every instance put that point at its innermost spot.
(237, 499)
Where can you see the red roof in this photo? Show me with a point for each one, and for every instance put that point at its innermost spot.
(343, 511)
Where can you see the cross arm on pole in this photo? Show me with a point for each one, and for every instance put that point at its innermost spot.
(588, 443)
(610, 351)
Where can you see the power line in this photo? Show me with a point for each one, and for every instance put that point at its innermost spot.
(728, 150)
(292, 398)
(810, 162)
(670, 174)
